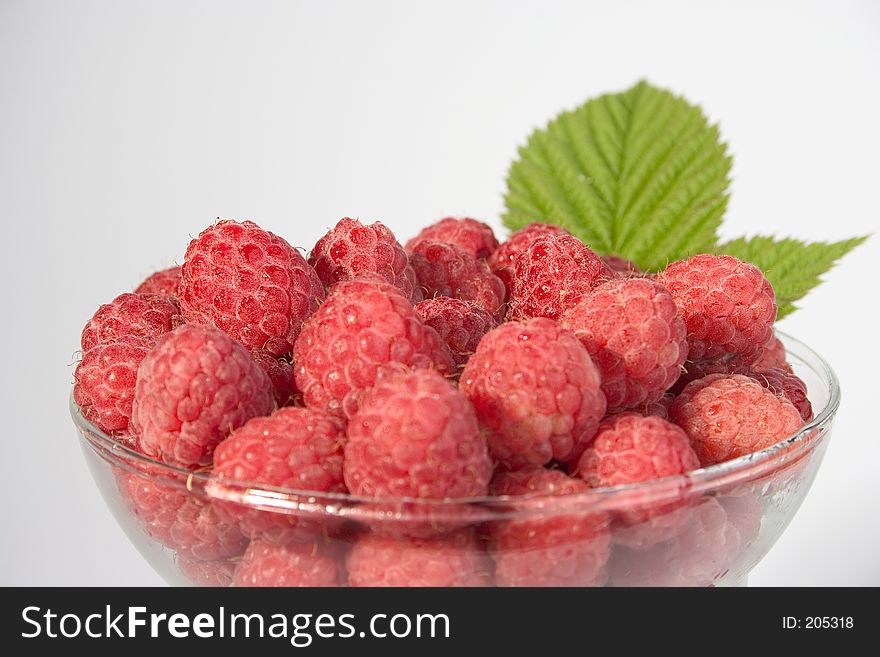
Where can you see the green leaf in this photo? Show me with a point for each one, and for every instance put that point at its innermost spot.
(792, 267)
(642, 174)
(639, 174)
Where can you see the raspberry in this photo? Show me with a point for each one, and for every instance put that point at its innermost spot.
(280, 373)
(700, 554)
(351, 248)
(633, 332)
(105, 381)
(728, 305)
(473, 236)
(207, 573)
(503, 259)
(163, 282)
(536, 390)
(622, 267)
(414, 435)
(179, 519)
(551, 275)
(551, 548)
(316, 563)
(455, 559)
(450, 271)
(629, 449)
(250, 284)
(731, 416)
(365, 324)
(789, 386)
(773, 356)
(299, 448)
(296, 448)
(460, 324)
(193, 388)
(146, 316)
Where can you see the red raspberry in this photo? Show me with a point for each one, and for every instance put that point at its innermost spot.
(551, 275)
(351, 248)
(448, 270)
(633, 331)
(250, 284)
(316, 563)
(163, 282)
(553, 543)
(473, 236)
(207, 573)
(193, 388)
(622, 266)
(365, 324)
(105, 381)
(280, 373)
(773, 356)
(146, 316)
(414, 435)
(503, 259)
(536, 390)
(629, 449)
(455, 559)
(727, 304)
(787, 385)
(459, 323)
(699, 555)
(730, 416)
(179, 519)
(296, 448)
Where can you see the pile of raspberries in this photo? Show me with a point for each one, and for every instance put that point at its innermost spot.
(451, 368)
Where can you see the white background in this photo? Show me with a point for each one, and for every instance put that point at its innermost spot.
(127, 127)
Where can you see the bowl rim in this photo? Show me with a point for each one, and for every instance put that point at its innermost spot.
(698, 481)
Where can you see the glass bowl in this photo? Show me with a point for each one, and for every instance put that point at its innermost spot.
(709, 527)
